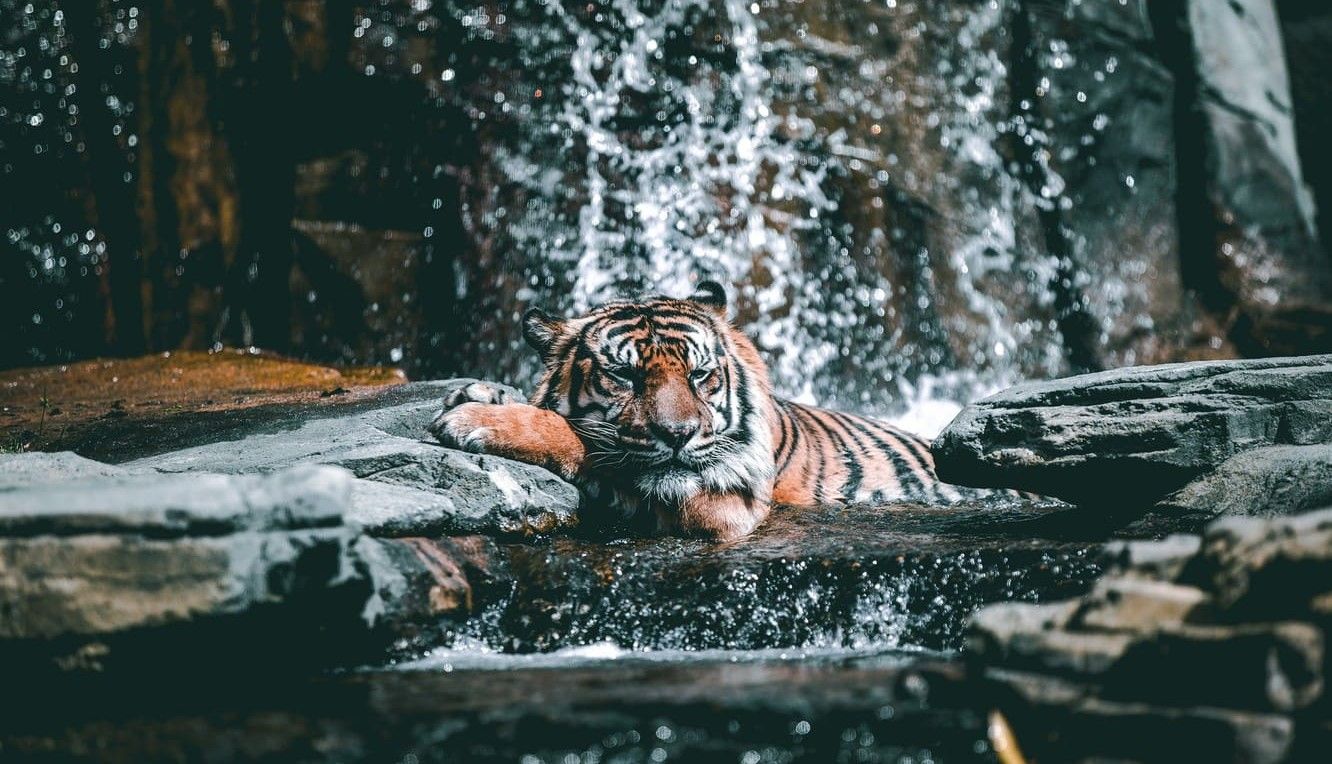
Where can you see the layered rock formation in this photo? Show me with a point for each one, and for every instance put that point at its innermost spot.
(1222, 639)
(96, 560)
(1133, 437)
(406, 486)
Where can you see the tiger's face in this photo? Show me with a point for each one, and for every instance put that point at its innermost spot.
(652, 385)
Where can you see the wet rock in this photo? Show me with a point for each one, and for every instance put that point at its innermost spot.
(417, 583)
(408, 486)
(1072, 726)
(95, 571)
(1269, 667)
(1307, 37)
(840, 706)
(1147, 430)
(1101, 133)
(1264, 482)
(899, 575)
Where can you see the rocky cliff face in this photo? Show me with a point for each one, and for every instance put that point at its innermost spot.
(1026, 187)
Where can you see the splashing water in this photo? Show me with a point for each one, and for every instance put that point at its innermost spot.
(688, 160)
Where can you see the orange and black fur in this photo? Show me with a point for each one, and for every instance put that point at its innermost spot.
(661, 407)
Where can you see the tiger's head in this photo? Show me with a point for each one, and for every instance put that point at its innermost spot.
(666, 392)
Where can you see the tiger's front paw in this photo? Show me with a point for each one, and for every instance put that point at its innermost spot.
(480, 392)
(467, 425)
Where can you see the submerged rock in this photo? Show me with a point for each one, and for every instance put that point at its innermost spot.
(1130, 436)
(616, 707)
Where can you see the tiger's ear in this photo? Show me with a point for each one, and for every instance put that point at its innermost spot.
(541, 329)
(711, 294)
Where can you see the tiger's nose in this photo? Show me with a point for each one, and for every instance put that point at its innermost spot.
(676, 434)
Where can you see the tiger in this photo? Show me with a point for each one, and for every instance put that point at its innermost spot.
(659, 407)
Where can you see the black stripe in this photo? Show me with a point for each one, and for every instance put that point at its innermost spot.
(574, 345)
(746, 405)
(623, 328)
(819, 494)
(795, 436)
(855, 468)
(917, 446)
(575, 382)
(782, 434)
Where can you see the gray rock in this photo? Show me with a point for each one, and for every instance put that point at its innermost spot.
(1023, 635)
(114, 554)
(1264, 482)
(166, 506)
(1095, 72)
(407, 486)
(1146, 431)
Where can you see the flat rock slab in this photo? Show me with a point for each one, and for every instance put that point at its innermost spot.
(37, 468)
(166, 506)
(1132, 436)
(406, 486)
(82, 405)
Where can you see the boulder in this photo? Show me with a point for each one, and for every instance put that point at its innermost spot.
(99, 566)
(405, 486)
(1136, 605)
(1155, 559)
(1128, 656)
(1131, 436)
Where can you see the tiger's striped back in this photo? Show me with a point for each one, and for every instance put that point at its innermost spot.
(829, 457)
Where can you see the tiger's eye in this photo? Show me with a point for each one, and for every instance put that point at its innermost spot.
(621, 374)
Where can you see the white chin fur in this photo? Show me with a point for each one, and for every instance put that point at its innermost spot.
(672, 485)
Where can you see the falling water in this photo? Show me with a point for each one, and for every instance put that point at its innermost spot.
(732, 141)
